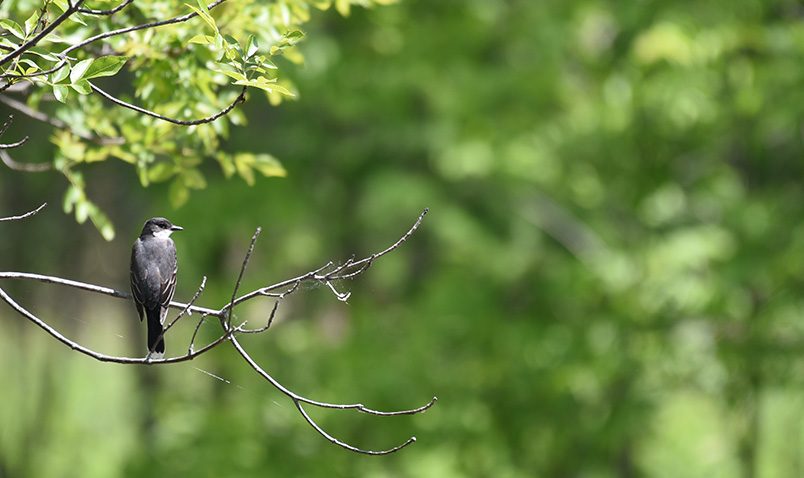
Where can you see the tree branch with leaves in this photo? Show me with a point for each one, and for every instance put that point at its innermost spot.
(159, 94)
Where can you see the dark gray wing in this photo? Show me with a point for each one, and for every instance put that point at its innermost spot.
(168, 272)
(135, 289)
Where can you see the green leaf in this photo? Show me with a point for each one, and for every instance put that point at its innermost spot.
(30, 63)
(178, 194)
(269, 166)
(77, 18)
(226, 163)
(229, 71)
(202, 39)
(105, 66)
(60, 74)
(123, 155)
(252, 46)
(61, 92)
(243, 162)
(79, 69)
(193, 179)
(161, 172)
(71, 196)
(61, 5)
(82, 86)
(31, 22)
(343, 7)
(294, 36)
(82, 210)
(202, 11)
(101, 222)
(13, 27)
(38, 51)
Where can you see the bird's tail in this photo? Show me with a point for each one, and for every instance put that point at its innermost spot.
(156, 344)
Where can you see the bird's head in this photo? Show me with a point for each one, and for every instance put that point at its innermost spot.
(159, 227)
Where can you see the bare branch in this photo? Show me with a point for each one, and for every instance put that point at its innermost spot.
(342, 444)
(3, 130)
(230, 308)
(298, 399)
(23, 216)
(323, 274)
(266, 326)
(6, 124)
(104, 357)
(24, 167)
(240, 98)
(185, 310)
(339, 273)
(15, 144)
(195, 332)
(343, 297)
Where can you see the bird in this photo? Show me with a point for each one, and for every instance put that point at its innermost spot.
(153, 278)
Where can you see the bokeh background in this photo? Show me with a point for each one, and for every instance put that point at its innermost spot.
(608, 283)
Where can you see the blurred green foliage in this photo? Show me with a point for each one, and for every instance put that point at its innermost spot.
(608, 283)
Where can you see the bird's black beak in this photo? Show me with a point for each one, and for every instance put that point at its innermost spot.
(176, 228)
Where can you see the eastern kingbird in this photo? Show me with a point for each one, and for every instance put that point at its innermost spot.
(153, 277)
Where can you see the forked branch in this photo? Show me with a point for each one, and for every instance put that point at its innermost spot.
(324, 275)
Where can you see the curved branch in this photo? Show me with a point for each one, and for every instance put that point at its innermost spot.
(240, 98)
(23, 216)
(230, 333)
(24, 167)
(342, 444)
(299, 399)
(3, 130)
(15, 144)
(104, 357)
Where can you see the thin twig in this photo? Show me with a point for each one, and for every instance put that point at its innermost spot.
(185, 310)
(23, 216)
(6, 124)
(24, 167)
(195, 332)
(15, 144)
(230, 308)
(265, 327)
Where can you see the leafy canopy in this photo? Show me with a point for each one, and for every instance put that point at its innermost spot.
(177, 71)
